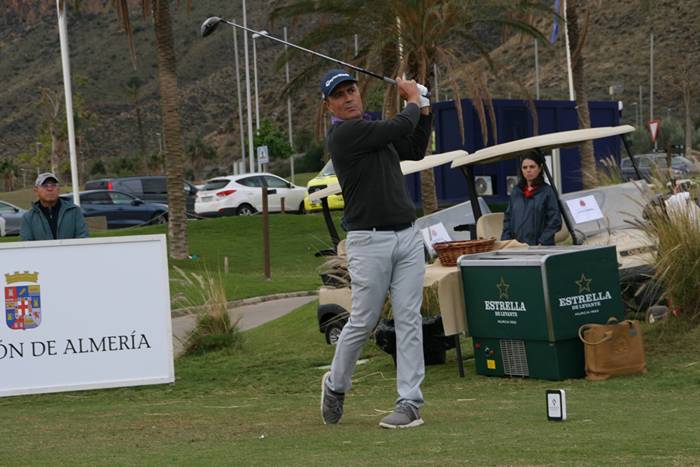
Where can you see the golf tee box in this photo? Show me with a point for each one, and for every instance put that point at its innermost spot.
(524, 307)
(556, 405)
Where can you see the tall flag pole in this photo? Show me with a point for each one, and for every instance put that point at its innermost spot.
(65, 60)
(572, 95)
(560, 11)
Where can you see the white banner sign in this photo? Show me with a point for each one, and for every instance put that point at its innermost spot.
(85, 314)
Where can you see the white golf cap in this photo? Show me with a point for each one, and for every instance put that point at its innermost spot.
(42, 178)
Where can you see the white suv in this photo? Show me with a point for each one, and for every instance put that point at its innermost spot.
(242, 195)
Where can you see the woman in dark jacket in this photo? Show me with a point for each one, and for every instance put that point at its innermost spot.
(533, 215)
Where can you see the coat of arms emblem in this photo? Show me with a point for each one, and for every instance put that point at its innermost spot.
(22, 301)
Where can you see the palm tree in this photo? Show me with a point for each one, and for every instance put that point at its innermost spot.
(577, 39)
(198, 154)
(170, 113)
(133, 85)
(54, 124)
(410, 36)
(682, 82)
(8, 171)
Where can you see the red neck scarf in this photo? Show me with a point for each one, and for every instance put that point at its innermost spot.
(529, 191)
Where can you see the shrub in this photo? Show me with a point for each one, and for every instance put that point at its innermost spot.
(214, 328)
(430, 306)
(276, 141)
(676, 231)
(312, 160)
(609, 173)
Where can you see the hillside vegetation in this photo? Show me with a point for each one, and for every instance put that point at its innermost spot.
(617, 53)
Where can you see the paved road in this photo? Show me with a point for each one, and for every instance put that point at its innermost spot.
(251, 316)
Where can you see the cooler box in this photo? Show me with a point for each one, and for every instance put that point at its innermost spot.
(524, 307)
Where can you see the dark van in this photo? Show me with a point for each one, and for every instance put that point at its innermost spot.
(151, 188)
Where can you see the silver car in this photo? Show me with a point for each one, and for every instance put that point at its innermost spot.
(13, 217)
(652, 164)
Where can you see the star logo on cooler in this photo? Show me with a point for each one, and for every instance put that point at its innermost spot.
(503, 289)
(22, 301)
(582, 203)
(584, 284)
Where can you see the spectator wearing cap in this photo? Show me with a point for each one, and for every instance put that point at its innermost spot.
(384, 248)
(51, 218)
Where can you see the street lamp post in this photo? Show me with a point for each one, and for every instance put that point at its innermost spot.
(160, 143)
(240, 101)
(65, 60)
(251, 156)
(289, 103)
(37, 145)
(255, 83)
(255, 79)
(160, 150)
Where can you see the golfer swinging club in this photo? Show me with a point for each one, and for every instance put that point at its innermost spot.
(384, 249)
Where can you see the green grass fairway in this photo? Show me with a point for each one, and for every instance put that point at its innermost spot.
(303, 178)
(260, 406)
(24, 197)
(293, 241)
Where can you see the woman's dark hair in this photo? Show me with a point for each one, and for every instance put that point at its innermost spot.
(538, 159)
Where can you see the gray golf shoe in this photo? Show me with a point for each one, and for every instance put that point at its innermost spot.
(405, 415)
(331, 403)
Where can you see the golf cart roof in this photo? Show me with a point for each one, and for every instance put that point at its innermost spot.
(407, 167)
(513, 149)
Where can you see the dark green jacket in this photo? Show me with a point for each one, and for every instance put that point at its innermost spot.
(533, 221)
(71, 223)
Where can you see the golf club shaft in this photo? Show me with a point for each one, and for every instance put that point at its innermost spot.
(326, 57)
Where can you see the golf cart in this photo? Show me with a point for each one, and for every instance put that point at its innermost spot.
(607, 215)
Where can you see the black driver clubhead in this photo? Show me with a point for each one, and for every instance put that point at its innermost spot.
(210, 25)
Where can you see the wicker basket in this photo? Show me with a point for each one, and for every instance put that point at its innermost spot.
(448, 252)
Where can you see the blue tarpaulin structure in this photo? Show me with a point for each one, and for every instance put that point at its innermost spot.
(513, 122)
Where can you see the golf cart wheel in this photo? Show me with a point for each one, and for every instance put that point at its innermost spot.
(656, 313)
(333, 332)
(245, 210)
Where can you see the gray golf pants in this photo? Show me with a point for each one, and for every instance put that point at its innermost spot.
(378, 262)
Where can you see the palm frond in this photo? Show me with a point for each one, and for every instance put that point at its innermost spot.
(122, 7)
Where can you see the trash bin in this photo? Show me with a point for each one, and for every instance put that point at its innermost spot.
(524, 307)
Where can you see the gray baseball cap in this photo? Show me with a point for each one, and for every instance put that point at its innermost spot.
(44, 177)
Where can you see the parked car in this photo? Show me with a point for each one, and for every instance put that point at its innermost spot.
(241, 195)
(652, 164)
(325, 178)
(13, 217)
(120, 209)
(150, 188)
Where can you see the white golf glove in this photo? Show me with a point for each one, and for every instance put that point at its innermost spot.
(424, 100)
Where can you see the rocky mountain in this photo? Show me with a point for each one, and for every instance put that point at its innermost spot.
(30, 62)
(617, 53)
